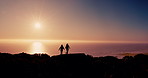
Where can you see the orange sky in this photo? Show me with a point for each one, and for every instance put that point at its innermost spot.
(61, 20)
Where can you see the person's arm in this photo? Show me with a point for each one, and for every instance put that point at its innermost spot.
(59, 49)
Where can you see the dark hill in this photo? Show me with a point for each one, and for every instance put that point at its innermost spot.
(24, 65)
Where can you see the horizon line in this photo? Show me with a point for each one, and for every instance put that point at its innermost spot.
(75, 41)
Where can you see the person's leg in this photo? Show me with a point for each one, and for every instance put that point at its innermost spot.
(61, 52)
(67, 51)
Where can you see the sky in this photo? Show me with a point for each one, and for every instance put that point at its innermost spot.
(92, 20)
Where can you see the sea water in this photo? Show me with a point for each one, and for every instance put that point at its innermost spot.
(93, 49)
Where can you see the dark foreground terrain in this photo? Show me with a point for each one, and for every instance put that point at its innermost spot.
(72, 66)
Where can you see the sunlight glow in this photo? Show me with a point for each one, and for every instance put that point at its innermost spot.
(38, 25)
(37, 47)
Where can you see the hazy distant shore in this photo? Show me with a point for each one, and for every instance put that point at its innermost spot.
(131, 54)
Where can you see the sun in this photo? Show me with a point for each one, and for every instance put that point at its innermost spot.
(38, 25)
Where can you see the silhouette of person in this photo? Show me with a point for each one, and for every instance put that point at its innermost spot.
(67, 47)
(61, 49)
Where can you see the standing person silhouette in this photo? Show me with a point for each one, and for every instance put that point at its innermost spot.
(67, 47)
(61, 49)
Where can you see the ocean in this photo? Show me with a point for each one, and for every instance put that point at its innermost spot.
(94, 49)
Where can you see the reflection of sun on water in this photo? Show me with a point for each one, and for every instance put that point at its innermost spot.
(37, 47)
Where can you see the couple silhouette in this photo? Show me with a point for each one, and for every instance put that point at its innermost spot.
(67, 47)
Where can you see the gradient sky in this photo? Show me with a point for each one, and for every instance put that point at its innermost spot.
(99, 20)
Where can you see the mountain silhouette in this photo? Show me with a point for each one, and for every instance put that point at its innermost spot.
(79, 65)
